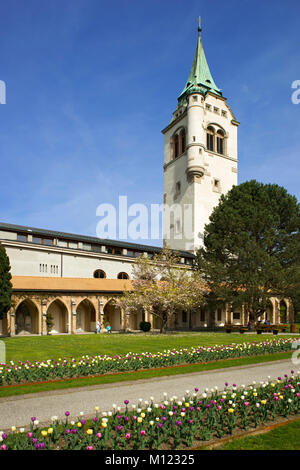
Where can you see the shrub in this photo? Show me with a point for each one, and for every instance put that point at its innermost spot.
(145, 326)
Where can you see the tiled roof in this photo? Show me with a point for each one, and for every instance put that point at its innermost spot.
(86, 239)
(69, 284)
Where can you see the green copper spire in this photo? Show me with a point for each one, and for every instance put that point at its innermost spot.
(200, 79)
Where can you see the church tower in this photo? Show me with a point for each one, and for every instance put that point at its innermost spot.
(200, 156)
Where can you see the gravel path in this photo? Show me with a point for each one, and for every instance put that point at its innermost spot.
(18, 410)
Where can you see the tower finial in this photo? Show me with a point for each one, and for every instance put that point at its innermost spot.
(199, 25)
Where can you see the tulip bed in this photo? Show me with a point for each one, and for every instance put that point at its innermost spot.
(173, 424)
(32, 372)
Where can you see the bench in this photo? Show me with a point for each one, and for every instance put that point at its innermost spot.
(235, 328)
(275, 329)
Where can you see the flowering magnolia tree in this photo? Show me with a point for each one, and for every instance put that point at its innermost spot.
(162, 287)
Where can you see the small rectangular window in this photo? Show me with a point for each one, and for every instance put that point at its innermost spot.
(73, 245)
(216, 185)
(236, 315)
(37, 240)
(97, 248)
(177, 227)
(130, 253)
(48, 241)
(86, 246)
(184, 317)
(21, 238)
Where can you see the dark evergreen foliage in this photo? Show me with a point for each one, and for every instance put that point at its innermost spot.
(5, 284)
(252, 247)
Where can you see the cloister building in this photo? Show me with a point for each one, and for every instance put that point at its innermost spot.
(77, 278)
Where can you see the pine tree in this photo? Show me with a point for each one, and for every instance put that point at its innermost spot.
(5, 284)
(252, 247)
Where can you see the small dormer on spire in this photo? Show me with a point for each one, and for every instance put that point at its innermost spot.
(199, 26)
(200, 79)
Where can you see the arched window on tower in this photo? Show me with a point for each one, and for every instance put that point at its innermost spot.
(220, 142)
(99, 274)
(210, 137)
(182, 140)
(176, 146)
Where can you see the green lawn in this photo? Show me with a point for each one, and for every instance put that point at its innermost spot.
(285, 437)
(48, 347)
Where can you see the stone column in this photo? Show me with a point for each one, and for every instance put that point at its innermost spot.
(40, 320)
(289, 312)
(243, 315)
(11, 317)
(127, 321)
(100, 312)
(276, 311)
(72, 318)
(228, 314)
(272, 319)
(43, 317)
(123, 320)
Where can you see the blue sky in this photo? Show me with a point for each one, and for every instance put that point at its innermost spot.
(91, 84)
